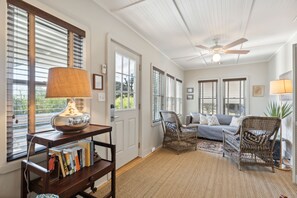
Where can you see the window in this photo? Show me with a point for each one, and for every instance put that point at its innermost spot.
(157, 94)
(208, 102)
(34, 45)
(125, 79)
(170, 95)
(234, 102)
(179, 96)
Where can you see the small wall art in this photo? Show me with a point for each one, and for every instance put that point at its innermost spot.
(97, 82)
(190, 90)
(258, 90)
(190, 97)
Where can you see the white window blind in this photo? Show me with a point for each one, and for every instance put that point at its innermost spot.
(170, 93)
(179, 96)
(234, 101)
(157, 94)
(17, 81)
(207, 102)
(51, 47)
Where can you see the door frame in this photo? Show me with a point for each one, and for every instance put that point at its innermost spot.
(109, 84)
(294, 153)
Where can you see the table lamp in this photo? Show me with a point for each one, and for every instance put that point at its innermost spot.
(280, 87)
(69, 83)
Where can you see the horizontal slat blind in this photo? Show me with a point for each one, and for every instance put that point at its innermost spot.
(170, 93)
(78, 51)
(17, 81)
(158, 95)
(179, 96)
(51, 50)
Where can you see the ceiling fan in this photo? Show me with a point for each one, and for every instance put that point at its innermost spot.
(217, 49)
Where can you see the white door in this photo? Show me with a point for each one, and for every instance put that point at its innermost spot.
(125, 66)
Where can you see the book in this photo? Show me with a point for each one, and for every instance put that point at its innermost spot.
(86, 144)
(64, 163)
(68, 162)
(58, 152)
(92, 153)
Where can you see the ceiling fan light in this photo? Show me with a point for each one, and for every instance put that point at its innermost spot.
(216, 58)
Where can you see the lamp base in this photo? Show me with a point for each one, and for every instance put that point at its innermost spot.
(70, 120)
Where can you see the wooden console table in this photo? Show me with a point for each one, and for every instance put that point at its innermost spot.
(76, 183)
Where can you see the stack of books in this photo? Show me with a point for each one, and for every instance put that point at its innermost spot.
(72, 157)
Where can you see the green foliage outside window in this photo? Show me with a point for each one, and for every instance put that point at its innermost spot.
(125, 103)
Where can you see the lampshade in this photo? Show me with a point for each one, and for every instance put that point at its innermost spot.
(68, 83)
(216, 58)
(281, 87)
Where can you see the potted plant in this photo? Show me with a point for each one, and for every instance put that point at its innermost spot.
(281, 111)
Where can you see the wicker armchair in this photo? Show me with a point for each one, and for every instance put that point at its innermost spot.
(177, 136)
(253, 143)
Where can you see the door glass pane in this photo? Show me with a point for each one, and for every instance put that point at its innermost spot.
(118, 63)
(125, 101)
(132, 67)
(118, 100)
(125, 82)
(132, 101)
(118, 84)
(126, 66)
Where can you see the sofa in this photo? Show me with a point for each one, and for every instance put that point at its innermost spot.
(213, 131)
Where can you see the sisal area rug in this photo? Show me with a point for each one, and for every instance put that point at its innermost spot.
(194, 174)
(210, 146)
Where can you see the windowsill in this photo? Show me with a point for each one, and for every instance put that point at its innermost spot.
(14, 165)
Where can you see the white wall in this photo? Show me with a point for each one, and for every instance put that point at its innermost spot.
(280, 63)
(97, 23)
(256, 74)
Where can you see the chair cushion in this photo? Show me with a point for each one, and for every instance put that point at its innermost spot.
(255, 137)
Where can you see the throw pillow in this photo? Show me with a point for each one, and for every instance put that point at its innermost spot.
(203, 120)
(212, 120)
(236, 121)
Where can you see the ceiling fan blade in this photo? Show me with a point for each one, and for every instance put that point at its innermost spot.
(191, 59)
(203, 47)
(183, 57)
(236, 51)
(234, 43)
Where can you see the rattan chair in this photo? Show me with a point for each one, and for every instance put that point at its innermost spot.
(253, 143)
(177, 136)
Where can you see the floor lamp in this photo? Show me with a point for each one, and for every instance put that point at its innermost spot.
(281, 87)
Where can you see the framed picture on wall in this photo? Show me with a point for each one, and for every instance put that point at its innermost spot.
(97, 82)
(258, 90)
(190, 90)
(190, 97)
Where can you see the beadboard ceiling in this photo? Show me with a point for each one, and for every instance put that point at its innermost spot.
(176, 26)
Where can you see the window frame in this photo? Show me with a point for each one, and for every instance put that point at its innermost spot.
(244, 98)
(72, 32)
(162, 94)
(216, 91)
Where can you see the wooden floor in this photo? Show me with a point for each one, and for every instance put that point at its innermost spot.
(198, 174)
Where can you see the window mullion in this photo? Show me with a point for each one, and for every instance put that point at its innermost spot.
(31, 93)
